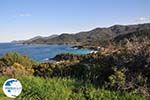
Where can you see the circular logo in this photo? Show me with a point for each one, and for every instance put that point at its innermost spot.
(12, 88)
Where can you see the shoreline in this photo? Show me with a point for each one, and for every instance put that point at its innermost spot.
(63, 49)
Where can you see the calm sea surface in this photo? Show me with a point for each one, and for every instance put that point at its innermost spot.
(39, 52)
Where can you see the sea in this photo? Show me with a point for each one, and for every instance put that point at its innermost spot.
(40, 52)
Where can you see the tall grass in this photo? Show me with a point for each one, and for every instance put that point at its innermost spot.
(36, 88)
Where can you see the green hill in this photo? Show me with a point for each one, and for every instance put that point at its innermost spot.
(97, 36)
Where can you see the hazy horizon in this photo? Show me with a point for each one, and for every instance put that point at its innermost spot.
(21, 20)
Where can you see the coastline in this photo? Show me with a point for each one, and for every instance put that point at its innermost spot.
(42, 52)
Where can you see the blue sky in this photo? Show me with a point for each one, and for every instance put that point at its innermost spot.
(23, 19)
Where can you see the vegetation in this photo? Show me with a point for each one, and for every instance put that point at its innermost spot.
(10, 58)
(36, 88)
(14, 64)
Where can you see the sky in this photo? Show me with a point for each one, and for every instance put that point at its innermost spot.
(24, 19)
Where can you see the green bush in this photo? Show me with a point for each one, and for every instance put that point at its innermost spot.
(118, 79)
(15, 65)
(13, 57)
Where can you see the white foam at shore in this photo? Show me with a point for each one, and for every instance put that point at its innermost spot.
(93, 51)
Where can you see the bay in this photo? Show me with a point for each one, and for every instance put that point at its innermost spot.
(39, 52)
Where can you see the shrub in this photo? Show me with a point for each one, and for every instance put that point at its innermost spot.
(14, 64)
(118, 79)
(12, 57)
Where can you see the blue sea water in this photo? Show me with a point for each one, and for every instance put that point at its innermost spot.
(39, 52)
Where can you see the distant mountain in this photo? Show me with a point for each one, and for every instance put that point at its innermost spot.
(96, 36)
(36, 39)
(52, 36)
(18, 41)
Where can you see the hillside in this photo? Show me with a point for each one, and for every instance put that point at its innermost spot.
(97, 36)
(137, 35)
